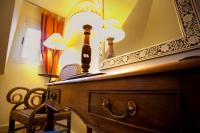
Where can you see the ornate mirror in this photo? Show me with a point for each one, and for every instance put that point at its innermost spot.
(154, 28)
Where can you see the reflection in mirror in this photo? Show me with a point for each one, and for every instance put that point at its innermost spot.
(154, 28)
(149, 22)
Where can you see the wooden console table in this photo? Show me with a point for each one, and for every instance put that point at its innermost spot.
(164, 98)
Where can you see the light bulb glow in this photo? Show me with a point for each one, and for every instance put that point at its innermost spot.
(78, 20)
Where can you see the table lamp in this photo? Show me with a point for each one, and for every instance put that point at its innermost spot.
(87, 19)
(54, 42)
(113, 34)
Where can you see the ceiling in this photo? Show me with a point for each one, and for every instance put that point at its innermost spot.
(59, 7)
(116, 9)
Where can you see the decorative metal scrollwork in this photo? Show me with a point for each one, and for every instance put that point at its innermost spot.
(15, 95)
(35, 97)
(17, 98)
(36, 100)
(129, 111)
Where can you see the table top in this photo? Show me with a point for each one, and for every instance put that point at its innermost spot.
(175, 66)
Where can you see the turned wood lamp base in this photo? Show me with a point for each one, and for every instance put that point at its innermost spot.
(86, 50)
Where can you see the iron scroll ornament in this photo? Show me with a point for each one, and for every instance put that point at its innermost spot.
(130, 111)
(190, 25)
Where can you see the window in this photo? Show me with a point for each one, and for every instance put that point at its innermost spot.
(31, 52)
(28, 45)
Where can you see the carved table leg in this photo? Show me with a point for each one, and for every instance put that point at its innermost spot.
(89, 130)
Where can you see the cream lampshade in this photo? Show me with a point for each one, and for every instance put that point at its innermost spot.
(116, 33)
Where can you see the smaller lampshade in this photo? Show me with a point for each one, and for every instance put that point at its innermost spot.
(55, 42)
(113, 32)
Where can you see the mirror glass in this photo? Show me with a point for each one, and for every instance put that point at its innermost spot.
(153, 28)
(148, 22)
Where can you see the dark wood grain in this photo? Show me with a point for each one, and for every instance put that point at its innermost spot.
(167, 100)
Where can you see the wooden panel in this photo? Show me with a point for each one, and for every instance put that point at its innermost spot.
(166, 100)
(76, 96)
(156, 110)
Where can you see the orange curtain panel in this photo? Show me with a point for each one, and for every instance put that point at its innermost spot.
(50, 23)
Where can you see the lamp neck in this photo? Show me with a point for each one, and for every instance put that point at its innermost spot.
(110, 40)
(111, 49)
(87, 29)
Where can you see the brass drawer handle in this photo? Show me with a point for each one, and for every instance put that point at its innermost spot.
(130, 111)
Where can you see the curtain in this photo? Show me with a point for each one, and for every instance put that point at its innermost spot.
(50, 23)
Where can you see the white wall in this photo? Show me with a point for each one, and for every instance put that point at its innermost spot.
(15, 18)
(162, 24)
(77, 125)
(19, 74)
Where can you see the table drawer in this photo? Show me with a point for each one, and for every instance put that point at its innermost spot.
(155, 111)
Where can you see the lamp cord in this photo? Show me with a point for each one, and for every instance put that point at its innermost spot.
(51, 73)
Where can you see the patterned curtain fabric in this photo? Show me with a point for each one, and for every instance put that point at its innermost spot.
(50, 23)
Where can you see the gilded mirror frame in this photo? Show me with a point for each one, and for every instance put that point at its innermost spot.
(190, 25)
